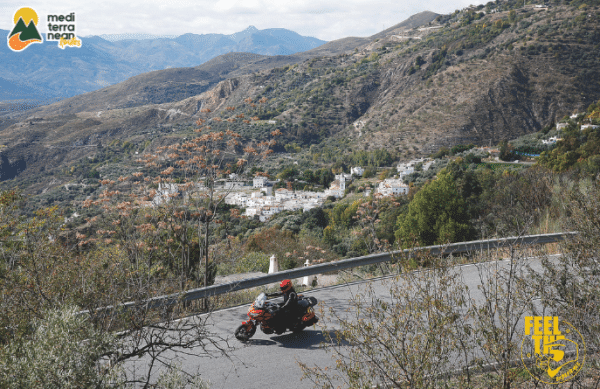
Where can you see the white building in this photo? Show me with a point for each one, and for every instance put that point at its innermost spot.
(311, 204)
(392, 187)
(407, 168)
(344, 176)
(283, 194)
(284, 200)
(357, 171)
(251, 211)
(270, 211)
(268, 200)
(267, 190)
(259, 182)
(586, 126)
(293, 205)
(236, 198)
(561, 126)
(338, 186)
(552, 140)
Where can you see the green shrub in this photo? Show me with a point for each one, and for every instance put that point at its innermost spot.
(63, 352)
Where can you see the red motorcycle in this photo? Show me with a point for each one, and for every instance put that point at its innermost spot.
(271, 319)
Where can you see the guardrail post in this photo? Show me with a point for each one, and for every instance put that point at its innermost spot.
(273, 264)
(308, 280)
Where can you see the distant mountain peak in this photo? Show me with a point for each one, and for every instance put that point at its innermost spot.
(238, 36)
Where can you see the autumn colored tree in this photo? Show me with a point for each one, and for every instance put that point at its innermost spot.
(198, 164)
(368, 222)
(168, 218)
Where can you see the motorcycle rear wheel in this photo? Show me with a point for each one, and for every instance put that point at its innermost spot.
(242, 334)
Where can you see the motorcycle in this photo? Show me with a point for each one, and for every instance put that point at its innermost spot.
(271, 320)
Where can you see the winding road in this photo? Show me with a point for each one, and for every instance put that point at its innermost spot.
(270, 361)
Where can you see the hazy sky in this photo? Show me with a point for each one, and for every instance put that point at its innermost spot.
(325, 20)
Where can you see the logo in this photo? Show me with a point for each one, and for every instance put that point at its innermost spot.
(25, 32)
(61, 29)
(552, 350)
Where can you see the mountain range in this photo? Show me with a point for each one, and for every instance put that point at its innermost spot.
(49, 72)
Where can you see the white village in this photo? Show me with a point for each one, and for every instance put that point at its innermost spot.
(262, 200)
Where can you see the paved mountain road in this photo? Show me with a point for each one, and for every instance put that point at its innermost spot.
(270, 361)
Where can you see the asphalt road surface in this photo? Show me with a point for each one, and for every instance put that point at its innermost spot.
(270, 361)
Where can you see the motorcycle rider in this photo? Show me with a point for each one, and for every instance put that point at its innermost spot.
(290, 300)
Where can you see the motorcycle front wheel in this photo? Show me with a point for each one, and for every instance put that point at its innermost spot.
(242, 334)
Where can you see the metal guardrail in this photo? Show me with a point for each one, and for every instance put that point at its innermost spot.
(453, 248)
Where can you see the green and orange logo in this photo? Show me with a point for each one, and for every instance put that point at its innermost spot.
(25, 32)
(552, 350)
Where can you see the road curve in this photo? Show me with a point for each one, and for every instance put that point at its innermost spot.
(270, 361)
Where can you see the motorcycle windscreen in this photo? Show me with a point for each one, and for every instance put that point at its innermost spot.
(260, 301)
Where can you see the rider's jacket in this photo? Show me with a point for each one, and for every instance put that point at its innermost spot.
(290, 298)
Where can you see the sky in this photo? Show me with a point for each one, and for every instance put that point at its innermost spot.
(323, 19)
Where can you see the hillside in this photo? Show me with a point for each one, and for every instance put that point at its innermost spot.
(175, 84)
(172, 85)
(472, 80)
(466, 77)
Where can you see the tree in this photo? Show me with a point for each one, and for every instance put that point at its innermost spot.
(472, 158)
(289, 173)
(460, 148)
(369, 172)
(374, 223)
(506, 151)
(436, 215)
(189, 186)
(515, 202)
(442, 152)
